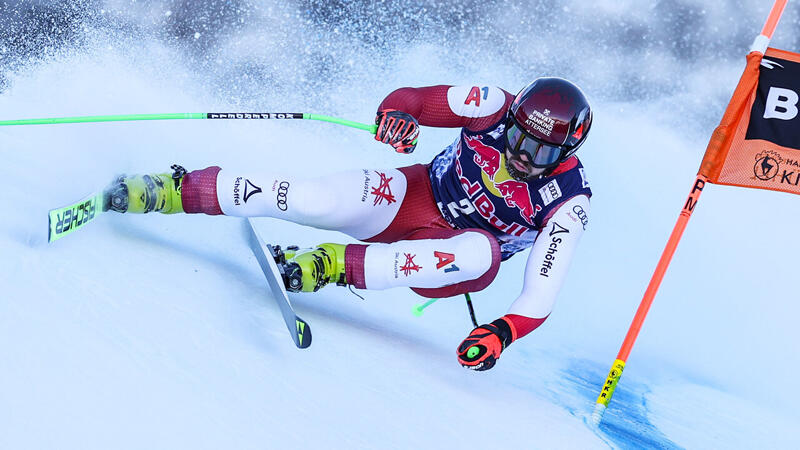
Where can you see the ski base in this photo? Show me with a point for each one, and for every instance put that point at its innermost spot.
(267, 256)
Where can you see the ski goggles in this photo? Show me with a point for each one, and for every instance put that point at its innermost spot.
(540, 154)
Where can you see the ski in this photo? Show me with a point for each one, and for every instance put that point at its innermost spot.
(65, 220)
(266, 256)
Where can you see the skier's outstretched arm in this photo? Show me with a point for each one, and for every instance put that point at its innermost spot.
(402, 111)
(545, 273)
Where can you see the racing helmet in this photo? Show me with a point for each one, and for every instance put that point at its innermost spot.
(548, 120)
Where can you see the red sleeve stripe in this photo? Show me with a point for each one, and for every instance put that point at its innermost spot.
(521, 325)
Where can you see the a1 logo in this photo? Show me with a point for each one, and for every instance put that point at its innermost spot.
(444, 260)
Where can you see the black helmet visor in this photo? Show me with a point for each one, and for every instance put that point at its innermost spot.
(540, 154)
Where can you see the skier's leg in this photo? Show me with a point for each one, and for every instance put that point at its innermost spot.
(373, 205)
(361, 203)
(435, 263)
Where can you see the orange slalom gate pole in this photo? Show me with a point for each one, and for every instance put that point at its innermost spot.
(774, 18)
(607, 391)
(633, 332)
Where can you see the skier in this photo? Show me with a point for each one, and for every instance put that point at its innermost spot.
(509, 181)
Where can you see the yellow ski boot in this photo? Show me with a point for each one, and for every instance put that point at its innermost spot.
(308, 270)
(147, 193)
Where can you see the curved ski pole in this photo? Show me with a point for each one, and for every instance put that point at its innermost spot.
(174, 116)
(214, 116)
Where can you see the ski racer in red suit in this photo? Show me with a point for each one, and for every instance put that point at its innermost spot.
(508, 182)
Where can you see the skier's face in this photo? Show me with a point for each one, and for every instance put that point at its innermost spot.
(522, 165)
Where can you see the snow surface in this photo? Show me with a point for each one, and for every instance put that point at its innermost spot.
(157, 332)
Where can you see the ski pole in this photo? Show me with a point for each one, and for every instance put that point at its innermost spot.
(418, 310)
(215, 116)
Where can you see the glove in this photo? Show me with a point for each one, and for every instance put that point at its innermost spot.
(398, 129)
(482, 348)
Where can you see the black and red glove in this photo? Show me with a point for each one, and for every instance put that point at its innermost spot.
(398, 129)
(482, 348)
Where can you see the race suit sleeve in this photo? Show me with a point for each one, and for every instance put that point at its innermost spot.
(547, 266)
(473, 107)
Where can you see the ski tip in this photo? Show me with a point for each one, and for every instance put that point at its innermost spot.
(303, 335)
(65, 220)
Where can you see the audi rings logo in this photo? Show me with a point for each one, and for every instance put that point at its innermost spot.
(283, 189)
(577, 209)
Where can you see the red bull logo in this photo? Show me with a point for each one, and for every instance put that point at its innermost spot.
(496, 181)
(486, 157)
(516, 195)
